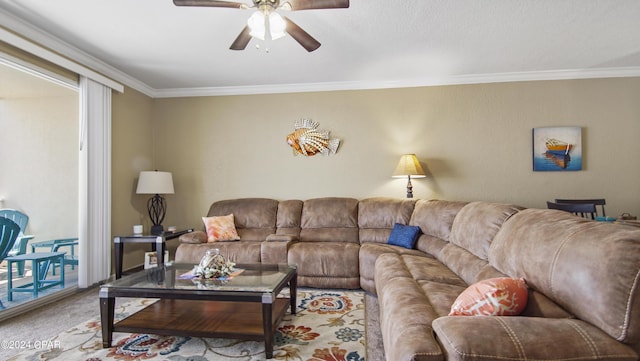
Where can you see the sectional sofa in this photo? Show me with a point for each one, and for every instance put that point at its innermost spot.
(583, 277)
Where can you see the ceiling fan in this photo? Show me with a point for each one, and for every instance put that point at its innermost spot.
(266, 20)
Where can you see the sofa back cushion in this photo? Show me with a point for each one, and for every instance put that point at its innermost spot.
(331, 219)
(477, 224)
(472, 231)
(591, 269)
(377, 216)
(435, 218)
(255, 218)
(289, 217)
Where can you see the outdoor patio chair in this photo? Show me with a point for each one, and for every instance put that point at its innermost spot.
(20, 246)
(9, 231)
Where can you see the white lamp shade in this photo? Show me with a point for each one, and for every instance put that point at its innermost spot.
(155, 182)
(277, 26)
(408, 166)
(257, 25)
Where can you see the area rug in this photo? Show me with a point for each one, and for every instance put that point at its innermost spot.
(328, 326)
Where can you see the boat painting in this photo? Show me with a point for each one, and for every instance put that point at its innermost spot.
(557, 149)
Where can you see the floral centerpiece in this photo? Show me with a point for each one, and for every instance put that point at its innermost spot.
(213, 265)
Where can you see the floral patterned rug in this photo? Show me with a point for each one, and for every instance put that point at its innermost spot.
(328, 326)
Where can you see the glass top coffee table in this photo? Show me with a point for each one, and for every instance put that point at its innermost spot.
(244, 307)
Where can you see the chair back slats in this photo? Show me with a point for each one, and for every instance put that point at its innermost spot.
(595, 201)
(9, 231)
(18, 217)
(586, 210)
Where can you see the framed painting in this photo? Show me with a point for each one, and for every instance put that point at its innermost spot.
(557, 149)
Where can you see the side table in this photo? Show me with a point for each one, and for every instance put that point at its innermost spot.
(158, 242)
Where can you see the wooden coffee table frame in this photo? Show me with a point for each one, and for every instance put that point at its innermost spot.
(235, 314)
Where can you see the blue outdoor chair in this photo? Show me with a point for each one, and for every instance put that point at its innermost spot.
(20, 246)
(9, 231)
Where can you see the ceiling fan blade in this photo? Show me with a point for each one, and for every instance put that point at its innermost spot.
(242, 40)
(318, 4)
(301, 36)
(210, 3)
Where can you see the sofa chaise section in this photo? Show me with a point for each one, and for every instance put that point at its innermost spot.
(459, 235)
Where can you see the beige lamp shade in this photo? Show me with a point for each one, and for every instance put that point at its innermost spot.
(155, 182)
(408, 166)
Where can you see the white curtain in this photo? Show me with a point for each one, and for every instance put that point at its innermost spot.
(94, 248)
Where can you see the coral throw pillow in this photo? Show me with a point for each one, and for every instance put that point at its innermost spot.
(220, 228)
(502, 296)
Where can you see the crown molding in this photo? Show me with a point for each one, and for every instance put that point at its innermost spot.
(412, 83)
(32, 39)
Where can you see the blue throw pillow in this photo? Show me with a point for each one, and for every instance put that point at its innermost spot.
(404, 236)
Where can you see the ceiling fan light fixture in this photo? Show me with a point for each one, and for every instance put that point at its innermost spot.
(257, 25)
(286, 6)
(277, 26)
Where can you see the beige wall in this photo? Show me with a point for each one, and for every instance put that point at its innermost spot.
(39, 163)
(132, 137)
(473, 140)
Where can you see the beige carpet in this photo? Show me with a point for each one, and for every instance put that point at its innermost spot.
(47, 322)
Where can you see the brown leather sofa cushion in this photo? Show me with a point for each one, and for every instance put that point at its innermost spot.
(589, 268)
(476, 225)
(330, 219)
(238, 252)
(325, 259)
(255, 218)
(405, 313)
(465, 338)
(193, 237)
(377, 216)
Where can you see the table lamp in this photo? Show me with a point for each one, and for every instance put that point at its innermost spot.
(408, 166)
(157, 183)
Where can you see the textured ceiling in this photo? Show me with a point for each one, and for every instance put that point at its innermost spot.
(374, 43)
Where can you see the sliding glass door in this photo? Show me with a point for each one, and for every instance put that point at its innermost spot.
(39, 167)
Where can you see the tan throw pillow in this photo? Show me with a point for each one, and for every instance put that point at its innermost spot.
(502, 296)
(220, 228)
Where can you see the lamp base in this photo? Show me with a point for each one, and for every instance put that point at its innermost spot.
(157, 229)
(156, 206)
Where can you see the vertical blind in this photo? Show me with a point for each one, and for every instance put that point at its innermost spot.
(94, 248)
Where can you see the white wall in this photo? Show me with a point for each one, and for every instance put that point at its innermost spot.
(39, 163)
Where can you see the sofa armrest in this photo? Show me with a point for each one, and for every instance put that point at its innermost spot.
(525, 338)
(193, 237)
(276, 247)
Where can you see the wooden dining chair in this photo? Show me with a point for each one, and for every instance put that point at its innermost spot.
(595, 201)
(585, 210)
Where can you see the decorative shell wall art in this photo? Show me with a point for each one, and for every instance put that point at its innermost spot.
(308, 140)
